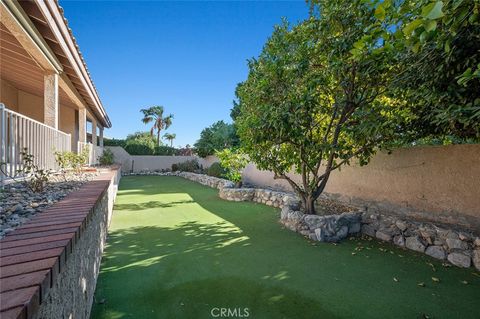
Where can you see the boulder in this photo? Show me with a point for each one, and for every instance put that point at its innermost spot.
(459, 259)
(414, 243)
(320, 234)
(464, 236)
(284, 212)
(399, 240)
(436, 252)
(476, 258)
(341, 233)
(314, 221)
(368, 230)
(295, 217)
(452, 235)
(354, 228)
(401, 225)
(382, 235)
(456, 244)
(477, 241)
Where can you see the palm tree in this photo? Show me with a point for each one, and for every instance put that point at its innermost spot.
(155, 114)
(170, 137)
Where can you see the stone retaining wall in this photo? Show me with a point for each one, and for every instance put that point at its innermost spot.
(72, 294)
(460, 248)
(329, 228)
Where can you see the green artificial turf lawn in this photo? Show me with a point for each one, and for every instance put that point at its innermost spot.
(176, 250)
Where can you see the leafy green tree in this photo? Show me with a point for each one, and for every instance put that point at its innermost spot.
(310, 105)
(155, 114)
(140, 143)
(216, 137)
(438, 45)
(170, 137)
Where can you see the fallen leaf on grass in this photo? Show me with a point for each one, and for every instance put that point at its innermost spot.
(435, 279)
(353, 254)
(421, 284)
(395, 279)
(464, 282)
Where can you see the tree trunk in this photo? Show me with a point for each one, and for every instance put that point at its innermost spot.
(308, 204)
(158, 137)
(171, 143)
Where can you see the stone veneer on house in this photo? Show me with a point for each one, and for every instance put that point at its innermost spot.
(460, 248)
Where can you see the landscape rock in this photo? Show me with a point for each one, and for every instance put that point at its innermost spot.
(383, 236)
(459, 259)
(19, 204)
(477, 242)
(415, 244)
(436, 252)
(368, 230)
(456, 244)
(476, 258)
(401, 225)
(399, 240)
(354, 228)
(284, 212)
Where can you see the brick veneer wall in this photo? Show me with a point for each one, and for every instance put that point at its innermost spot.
(49, 266)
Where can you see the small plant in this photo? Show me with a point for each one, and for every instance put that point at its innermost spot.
(107, 158)
(216, 170)
(234, 161)
(187, 166)
(72, 161)
(35, 178)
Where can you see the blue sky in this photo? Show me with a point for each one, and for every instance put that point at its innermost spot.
(186, 56)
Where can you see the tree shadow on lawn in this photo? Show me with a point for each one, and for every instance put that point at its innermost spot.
(185, 272)
(248, 260)
(151, 204)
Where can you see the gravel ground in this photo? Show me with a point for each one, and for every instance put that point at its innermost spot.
(330, 207)
(18, 203)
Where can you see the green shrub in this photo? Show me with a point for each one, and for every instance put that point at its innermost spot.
(234, 162)
(107, 158)
(187, 166)
(139, 149)
(165, 150)
(71, 160)
(140, 143)
(216, 170)
(113, 142)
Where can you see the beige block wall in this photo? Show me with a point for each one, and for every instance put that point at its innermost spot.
(8, 95)
(30, 105)
(437, 183)
(22, 102)
(67, 121)
(152, 162)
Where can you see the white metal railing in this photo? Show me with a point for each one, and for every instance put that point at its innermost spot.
(18, 132)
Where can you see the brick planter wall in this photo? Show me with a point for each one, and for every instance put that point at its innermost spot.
(49, 265)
